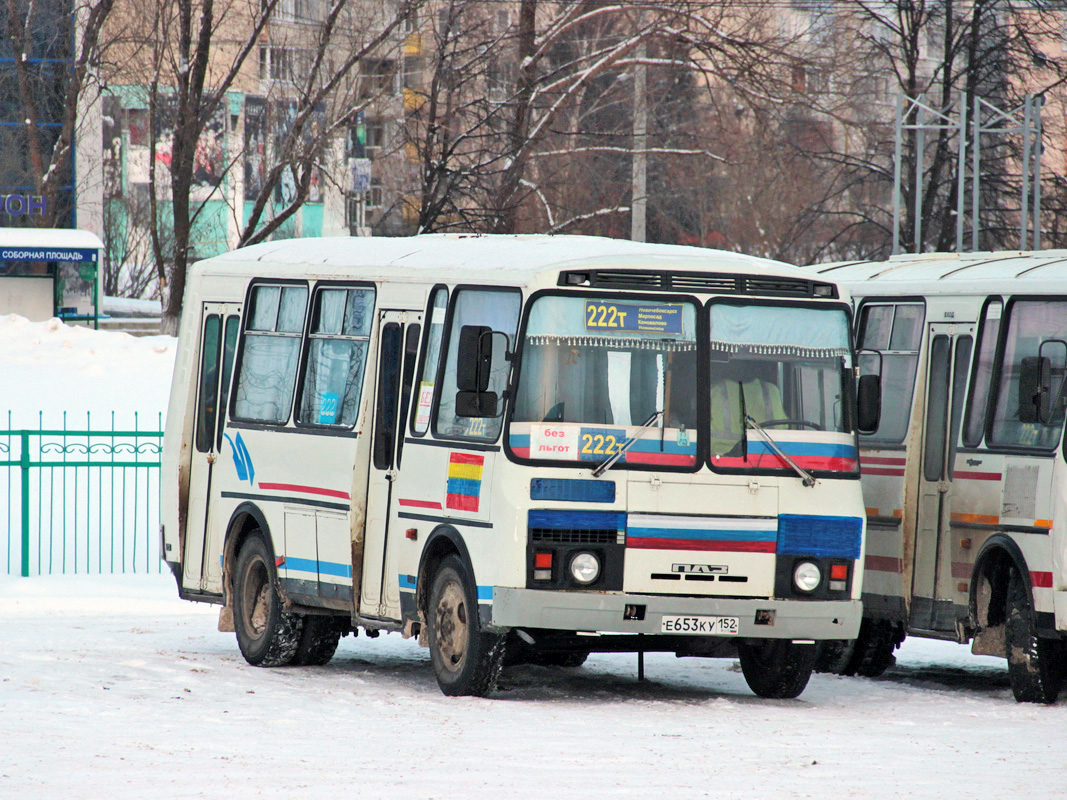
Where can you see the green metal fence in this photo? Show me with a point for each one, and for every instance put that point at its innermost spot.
(79, 499)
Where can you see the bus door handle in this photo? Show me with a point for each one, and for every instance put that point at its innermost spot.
(391, 474)
(212, 458)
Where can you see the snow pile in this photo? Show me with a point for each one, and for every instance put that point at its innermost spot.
(54, 367)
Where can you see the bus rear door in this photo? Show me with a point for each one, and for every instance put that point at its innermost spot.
(398, 339)
(933, 583)
(219, 326)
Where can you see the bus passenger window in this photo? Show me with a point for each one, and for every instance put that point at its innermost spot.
(1034, 328)
(499, 311)
(895, 331)
(270, 355)
(431, 358)
(209, 384)
(337, 356)
(982, 382)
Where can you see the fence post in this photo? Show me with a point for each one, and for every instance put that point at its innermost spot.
(24, 467)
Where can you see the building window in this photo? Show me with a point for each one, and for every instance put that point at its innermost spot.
(374, 195)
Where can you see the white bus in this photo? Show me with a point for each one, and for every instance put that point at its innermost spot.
(524, 448)
(964, 478)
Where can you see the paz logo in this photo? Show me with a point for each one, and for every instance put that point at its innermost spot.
(242, 460)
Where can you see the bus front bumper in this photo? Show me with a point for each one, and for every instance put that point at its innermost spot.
(640, 613)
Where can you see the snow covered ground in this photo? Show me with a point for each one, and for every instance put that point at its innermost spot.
(110, 686)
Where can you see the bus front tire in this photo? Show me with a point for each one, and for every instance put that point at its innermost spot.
(776, 668)
(1035, 664)
(466, 659)
(267, 634)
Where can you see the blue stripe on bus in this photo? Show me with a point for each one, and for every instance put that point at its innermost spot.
(318, 567)
(577, 520)
(408, 583)
(813, 449)
(716, 534)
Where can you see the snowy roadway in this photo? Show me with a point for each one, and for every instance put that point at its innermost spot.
(112, 687)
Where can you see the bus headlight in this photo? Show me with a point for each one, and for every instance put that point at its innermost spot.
(806, 576)
(585, 568)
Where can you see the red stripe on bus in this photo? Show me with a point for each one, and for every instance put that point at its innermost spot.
(673, 459)
(292, 487)
(866, 470)
(465, 458)
(767, 461)
(419, 503)
(648, 543)
(1041, 580)
(884, 564)
(896, 462)
(977, 476)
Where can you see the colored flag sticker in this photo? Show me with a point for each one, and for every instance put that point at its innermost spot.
(464, 481)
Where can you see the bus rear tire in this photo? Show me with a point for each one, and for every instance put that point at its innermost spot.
(1034, 663)
(318, 641)
(466, 659)
(776, 668)
(267, 635)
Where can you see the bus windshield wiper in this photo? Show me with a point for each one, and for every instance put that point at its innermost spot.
(622, 448)
(805, 476)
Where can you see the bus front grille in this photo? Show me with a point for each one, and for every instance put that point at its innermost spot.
(565, 536)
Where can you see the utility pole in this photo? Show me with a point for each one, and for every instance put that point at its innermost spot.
(639, 200)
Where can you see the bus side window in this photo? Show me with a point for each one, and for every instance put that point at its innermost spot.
(270, 354)
(385, 418)
(209, 384)
(411, 347)
(894, 330)
(498, 310)
(431, 358)
(229, 348)
(982, 381)
(338, 343)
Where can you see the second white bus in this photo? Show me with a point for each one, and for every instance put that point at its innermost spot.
(965, 477)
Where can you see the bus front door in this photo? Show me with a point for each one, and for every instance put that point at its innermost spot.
(201, 565)
(398, 339)
(933, 588)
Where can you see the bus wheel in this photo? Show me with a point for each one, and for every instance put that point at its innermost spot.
(776, 668)
(466, 659)
(1032, 661)
(318, 641)
(267, 635)
(874, 649)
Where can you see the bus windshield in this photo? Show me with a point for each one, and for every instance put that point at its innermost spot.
(604, 375)
(595, 370)
(777, 386)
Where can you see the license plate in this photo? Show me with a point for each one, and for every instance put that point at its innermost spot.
(700, 626)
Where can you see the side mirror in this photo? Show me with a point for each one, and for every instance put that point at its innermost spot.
(475, 358)
(476, 404)
(1035, 389)
(869, 403)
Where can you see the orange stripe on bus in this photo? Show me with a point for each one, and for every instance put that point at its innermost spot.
(983, 519)
(1043, 523)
